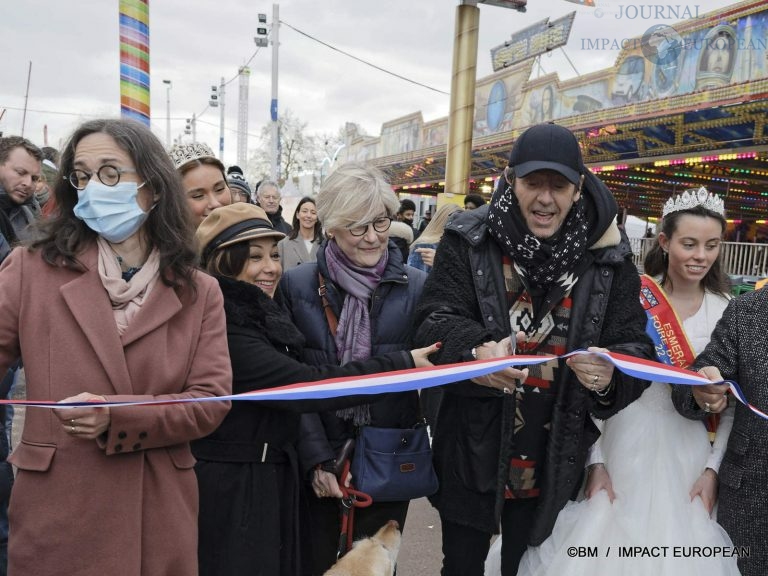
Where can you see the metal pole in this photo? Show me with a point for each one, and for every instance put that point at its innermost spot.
(458, 162)
(221, 120)
(194, 128)
(26, 98)
(273, 104)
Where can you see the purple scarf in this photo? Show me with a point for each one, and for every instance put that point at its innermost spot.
(353, 335)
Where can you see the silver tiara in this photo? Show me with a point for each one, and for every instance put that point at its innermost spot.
(183, 153)
(692, 198)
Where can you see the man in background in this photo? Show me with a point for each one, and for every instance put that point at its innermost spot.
(238, 185)
(472, 201)
(268, 197)
(405, 214)
(19, 174)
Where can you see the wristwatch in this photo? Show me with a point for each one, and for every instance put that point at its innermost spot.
(327, 466)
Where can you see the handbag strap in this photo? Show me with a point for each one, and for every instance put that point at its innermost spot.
(333, 322)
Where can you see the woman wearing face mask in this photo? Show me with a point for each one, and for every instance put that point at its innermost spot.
(107, 305)
(204, 179)
(247, 469)
(373, 295)
(306, 235)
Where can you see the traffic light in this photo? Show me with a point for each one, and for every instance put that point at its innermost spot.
(213, 102)
(188, 127)
(261, 31)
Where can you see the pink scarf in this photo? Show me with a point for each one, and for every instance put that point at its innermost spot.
(126, 297)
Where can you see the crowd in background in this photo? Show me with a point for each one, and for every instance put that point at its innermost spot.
(130, 272)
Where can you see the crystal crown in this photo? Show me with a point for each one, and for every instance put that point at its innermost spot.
(183, 153)
(692, 198)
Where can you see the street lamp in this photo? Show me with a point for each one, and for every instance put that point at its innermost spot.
(168, 113)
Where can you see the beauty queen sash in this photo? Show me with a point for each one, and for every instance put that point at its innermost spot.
(669, 339)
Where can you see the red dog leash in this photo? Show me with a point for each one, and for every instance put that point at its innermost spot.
(351, 499)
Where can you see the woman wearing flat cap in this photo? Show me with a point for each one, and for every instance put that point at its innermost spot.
(247, 469)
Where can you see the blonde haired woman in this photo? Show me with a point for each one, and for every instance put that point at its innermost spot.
(373, 294)
(424, 247)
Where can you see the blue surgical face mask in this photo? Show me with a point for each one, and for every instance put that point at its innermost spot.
(111, 211)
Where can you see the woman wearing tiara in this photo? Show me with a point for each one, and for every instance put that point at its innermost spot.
(652, 483)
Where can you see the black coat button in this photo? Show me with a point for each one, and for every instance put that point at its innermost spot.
(121, 435)
(142, 435)
(137, 446)
(118, 447)
(572, 460)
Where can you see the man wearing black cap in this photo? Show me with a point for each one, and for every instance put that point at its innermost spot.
(545, 263)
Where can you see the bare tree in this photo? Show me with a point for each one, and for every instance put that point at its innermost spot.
(294, 149)
(300, 152)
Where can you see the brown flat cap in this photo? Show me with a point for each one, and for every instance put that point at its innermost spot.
(228, 225)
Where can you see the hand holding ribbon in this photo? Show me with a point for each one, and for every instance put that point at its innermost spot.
(711, 397)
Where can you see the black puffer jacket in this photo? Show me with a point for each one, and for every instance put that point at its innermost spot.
(393, 306)
(464, 305)
(264, 347)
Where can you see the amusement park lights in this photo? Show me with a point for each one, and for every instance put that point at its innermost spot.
(704, 159)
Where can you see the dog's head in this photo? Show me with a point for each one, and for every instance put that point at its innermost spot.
(389, 536)
(374, 556)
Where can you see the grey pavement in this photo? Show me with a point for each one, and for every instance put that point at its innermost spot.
(421, 547)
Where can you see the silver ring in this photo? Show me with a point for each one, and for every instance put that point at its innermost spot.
(507, 390)
(707, 407)
(72, 428)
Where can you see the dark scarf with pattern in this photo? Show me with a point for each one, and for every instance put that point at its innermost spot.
(550, 267)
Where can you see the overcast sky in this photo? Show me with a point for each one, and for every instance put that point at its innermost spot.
(74, 50)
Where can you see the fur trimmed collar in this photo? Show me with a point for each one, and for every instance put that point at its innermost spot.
(247, 306)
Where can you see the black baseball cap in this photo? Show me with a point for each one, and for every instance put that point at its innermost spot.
(547, 147)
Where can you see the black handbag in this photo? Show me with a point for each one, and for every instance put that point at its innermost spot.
(393, 464)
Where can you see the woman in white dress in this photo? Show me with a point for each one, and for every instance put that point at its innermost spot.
(652, 483)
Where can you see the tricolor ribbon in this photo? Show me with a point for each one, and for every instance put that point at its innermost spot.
(418, 378)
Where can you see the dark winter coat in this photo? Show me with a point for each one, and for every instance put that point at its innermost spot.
(279, 223)
(464, 304)
(739, 349)
(20, 216)
(392, 309)
(248, 464)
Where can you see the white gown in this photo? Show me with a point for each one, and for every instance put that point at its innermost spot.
(653, 456)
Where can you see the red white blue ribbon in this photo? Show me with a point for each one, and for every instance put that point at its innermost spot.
(419, 378)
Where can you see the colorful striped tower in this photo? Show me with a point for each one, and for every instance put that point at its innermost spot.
(134, 60)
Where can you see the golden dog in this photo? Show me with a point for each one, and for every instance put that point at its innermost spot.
(374, 556)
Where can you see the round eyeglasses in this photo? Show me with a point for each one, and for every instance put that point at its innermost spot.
(107, 175)
(379, 225)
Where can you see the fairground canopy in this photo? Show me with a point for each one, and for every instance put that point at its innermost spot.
(684, 106)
